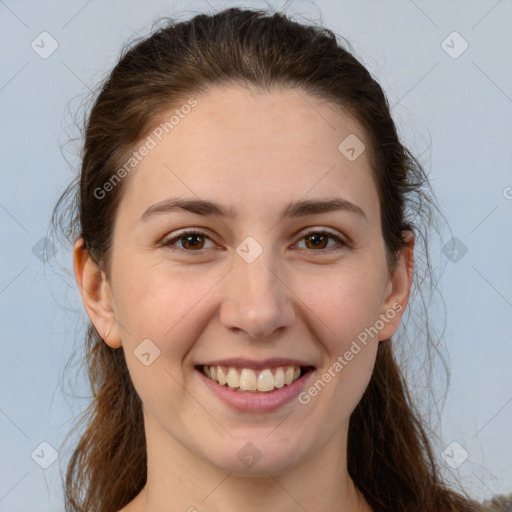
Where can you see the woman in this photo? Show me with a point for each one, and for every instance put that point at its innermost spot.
(244, 248)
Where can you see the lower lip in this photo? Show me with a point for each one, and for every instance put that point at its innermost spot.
(256, 401)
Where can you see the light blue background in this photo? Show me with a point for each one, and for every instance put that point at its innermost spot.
(455, 114)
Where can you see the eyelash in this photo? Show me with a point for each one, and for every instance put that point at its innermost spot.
(171, 241)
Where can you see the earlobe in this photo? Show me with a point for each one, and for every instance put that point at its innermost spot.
(398, 289)
(96, 295)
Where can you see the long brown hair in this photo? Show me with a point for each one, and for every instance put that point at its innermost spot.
(390, 457)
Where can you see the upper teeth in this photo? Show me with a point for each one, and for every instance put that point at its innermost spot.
(246, 379)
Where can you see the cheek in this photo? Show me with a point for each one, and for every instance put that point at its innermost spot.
(165, 305)
(351, 376)
(345, 302)
(345, 308)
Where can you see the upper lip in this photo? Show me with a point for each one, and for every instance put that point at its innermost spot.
(259, 364)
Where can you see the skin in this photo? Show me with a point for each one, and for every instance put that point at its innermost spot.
(254, 152)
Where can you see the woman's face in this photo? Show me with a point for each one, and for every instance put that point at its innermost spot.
(252, 291)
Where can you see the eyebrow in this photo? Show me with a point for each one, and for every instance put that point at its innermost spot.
(294, 209)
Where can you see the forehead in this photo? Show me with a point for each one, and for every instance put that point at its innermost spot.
(257, 149)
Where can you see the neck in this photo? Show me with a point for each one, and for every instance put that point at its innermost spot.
(179, 479)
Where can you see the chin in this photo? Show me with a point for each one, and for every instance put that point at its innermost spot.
(256, 455)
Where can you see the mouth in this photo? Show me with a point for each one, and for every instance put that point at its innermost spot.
(255, 381)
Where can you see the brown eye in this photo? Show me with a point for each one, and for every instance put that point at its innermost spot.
(192, 241)
(319, 239)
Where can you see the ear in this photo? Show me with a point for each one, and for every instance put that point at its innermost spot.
(96, 294)
(398, 289)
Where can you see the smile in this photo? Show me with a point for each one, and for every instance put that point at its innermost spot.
(255, 390)
(247, 379)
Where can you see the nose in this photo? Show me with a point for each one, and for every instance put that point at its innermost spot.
(258, 300)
